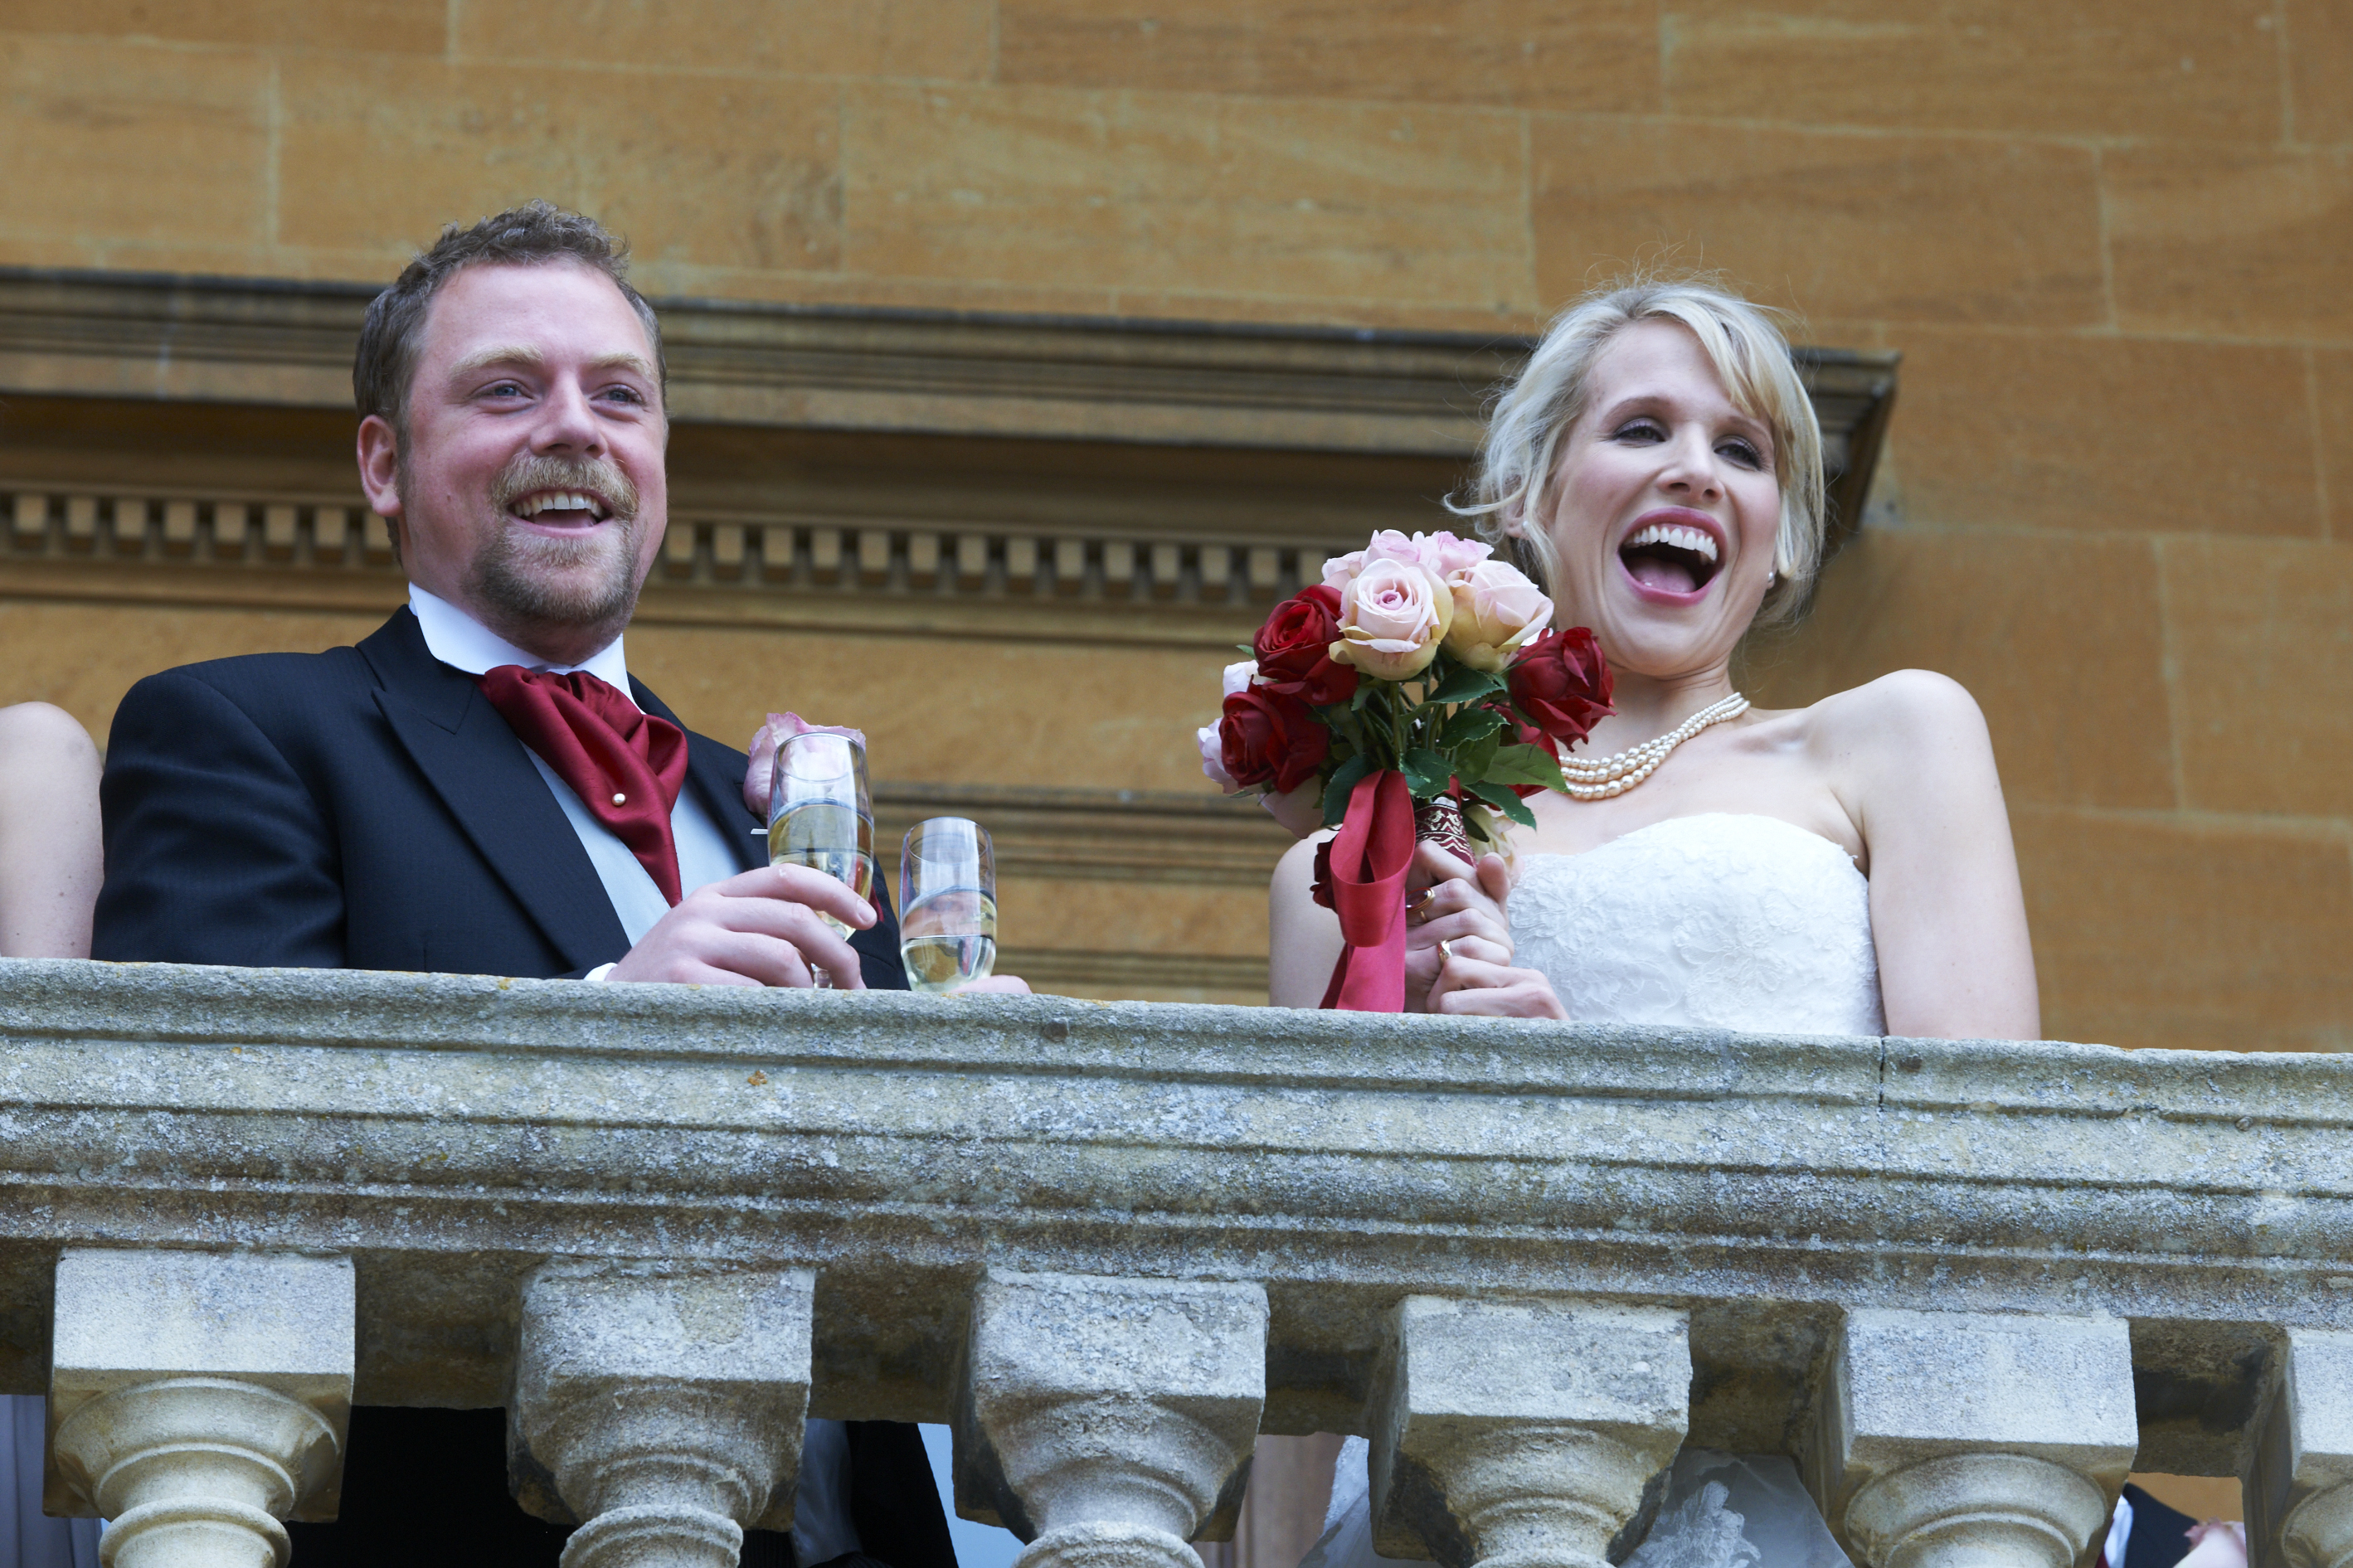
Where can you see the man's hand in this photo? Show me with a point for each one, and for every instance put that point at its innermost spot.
(758, 929)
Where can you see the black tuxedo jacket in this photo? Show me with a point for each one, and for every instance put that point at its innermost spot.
(367, 809)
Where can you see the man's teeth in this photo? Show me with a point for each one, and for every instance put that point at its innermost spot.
(1692, 539)
(559, 501)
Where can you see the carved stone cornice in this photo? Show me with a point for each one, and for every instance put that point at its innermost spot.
(1178, 383)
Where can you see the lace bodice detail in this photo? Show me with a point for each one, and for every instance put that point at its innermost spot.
(1736, 923)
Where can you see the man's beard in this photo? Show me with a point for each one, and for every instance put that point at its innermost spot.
(532, 578)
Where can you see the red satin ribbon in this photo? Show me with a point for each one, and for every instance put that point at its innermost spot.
(626, 766)
(1364, 885)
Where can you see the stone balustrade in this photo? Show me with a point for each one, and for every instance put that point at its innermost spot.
(1966, 1285)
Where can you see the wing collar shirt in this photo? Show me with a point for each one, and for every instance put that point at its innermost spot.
(705, 854)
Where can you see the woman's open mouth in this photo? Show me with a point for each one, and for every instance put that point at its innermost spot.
(1671, 558)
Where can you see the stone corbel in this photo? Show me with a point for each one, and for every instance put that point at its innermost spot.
(660, 1408)
(198, 1399)
(1522, 1433)
(2299, 1482)
(1993, 1440)
(1109, 1422)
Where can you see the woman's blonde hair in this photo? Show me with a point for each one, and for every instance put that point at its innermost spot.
(1513, 490)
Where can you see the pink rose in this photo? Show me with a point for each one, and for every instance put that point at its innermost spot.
(1440, 555)
(1239, 676)
(1496, 611)
(1341, 570)
(760, 776)
(1392, 617)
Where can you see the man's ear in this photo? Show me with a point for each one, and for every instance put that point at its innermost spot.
(379, 454)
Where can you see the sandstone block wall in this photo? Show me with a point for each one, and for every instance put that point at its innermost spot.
(2110, 238)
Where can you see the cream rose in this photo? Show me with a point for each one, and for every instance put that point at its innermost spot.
(1392, 617)
(1496, 611)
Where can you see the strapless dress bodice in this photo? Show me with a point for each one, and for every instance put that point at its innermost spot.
(1727, 922)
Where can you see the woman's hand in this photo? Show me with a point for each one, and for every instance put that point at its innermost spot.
(1473, 987)
(1461, 906)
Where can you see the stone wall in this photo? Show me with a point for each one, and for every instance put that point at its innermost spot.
(2107, 238)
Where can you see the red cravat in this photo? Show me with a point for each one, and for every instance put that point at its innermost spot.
(626, 766)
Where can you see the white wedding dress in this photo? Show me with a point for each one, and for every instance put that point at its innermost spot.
(1732, 922)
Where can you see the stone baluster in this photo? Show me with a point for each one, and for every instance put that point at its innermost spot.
(198, 1399)
(1973, 1440)
(1108, 1422)
(2299, 1483)
(1522, 1433)
(664, 1405)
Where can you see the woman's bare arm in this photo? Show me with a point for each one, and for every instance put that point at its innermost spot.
(1302, 936)
(51, 856)
(1914, 768)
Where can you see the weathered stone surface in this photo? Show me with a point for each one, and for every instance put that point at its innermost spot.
(197, 1399)
(1945, 1439)
(2298, 1474)
(451, 1135)
(1523, 1431)
(1109, 1421)
(664, 1403)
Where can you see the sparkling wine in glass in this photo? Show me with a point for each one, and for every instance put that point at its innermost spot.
(947, 880)
(820, 815)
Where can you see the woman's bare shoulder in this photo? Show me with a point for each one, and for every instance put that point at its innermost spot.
(1908, 714)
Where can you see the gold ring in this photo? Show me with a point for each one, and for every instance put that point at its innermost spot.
(1445, 950)
(1414, 910)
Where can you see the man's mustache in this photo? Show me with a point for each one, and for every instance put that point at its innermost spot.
(531, 474)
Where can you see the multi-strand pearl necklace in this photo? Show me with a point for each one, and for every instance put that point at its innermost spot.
(1599, 778)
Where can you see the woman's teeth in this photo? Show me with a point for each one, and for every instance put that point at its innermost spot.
(1695, 540)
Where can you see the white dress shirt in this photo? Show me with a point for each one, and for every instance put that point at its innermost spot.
(822, 1530)
(705, 854)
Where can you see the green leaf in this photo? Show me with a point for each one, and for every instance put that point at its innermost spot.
(1524, 765)
(1505, 801)
(1472, 760)
(1342, 784)
(1364, 695)
(1470, 724)
(1465, 684)
(1426, 771)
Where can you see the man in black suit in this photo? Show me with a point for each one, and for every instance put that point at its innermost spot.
(480, 787)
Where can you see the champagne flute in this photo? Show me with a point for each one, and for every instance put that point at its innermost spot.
(820, 815)
(948, 878)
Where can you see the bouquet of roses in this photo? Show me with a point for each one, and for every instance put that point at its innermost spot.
(1420, 686)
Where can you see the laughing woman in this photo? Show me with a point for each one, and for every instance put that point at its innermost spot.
(1840, 869)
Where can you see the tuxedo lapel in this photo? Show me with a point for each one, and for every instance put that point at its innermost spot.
(473, 761)
(714, 773)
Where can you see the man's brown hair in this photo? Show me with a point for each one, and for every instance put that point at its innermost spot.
(534, 233)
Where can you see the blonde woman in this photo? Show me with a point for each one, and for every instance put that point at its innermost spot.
(49, 866)
(1845, 868)
(1842, 868)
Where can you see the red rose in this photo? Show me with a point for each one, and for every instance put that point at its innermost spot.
(1269, 738)
(1561, 683)
(1294, 650)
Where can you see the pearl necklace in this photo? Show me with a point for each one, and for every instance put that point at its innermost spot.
(1599, 778)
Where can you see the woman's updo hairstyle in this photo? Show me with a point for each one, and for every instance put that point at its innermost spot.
(1516, 459)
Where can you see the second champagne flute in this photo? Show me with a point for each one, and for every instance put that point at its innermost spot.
(820, 815)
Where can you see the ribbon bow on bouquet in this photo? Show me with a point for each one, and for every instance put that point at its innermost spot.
(1418, 678)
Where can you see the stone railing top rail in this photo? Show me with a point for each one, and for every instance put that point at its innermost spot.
(448, 1133)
